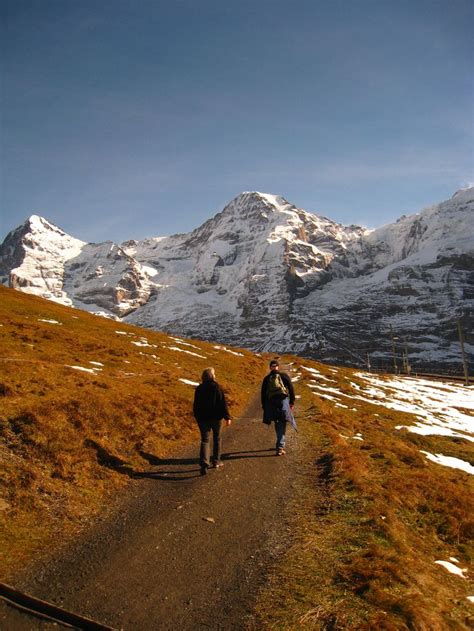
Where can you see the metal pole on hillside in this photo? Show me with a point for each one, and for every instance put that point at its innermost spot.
(408, 367)
(463, 353)
(395, 367)
(368, 362)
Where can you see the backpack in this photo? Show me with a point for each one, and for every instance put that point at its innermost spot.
(275, 387)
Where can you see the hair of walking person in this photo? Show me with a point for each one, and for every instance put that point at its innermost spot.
(209, 374)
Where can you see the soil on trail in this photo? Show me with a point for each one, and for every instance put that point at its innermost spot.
(183, 551)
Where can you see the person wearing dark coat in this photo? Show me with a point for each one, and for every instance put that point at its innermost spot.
(278, 408)
(210, 408)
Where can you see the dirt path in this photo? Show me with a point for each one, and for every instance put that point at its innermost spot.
(159, 564)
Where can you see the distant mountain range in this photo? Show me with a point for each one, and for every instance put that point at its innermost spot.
(266, 275)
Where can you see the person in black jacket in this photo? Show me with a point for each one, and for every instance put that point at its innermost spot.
(275, 403)
(209, 408)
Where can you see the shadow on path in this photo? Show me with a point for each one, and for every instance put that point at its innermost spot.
(258, 453)
(168, 477)
(155, 460)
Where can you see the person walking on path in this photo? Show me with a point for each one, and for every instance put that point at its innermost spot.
(209, 408)
(278, 398)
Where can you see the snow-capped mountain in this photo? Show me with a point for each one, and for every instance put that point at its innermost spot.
(40, 258)
(269, 276)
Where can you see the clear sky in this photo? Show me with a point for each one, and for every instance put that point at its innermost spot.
(131, 118)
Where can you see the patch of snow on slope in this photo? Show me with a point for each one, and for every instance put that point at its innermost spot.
(453, 569)
(182, 350)
(188, 382)
(90, 370)
(227, 350)
(449, 461)
(438, 408)
(183, 343)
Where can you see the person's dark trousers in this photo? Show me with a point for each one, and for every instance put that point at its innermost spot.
(206, 428)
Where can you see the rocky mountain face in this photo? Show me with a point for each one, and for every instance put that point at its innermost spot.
(40, 258)
(269, 276)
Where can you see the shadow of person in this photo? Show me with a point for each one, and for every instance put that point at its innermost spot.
(257, 453)
(109, 460)
(168, 477)
(157, 461)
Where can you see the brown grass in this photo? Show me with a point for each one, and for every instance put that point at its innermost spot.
(368, 520)
(70, 439)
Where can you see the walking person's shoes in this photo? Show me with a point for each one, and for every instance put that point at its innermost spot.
(217, 464)
(203, 471)
(281, 452)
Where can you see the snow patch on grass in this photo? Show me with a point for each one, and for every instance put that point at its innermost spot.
(449, 461)
(92, 371)
(182, 350)
(438, 408)
(188, 382)
(183, 343)
(227, 350)
(453, 569)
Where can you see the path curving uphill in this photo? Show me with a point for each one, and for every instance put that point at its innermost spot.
(182, 551)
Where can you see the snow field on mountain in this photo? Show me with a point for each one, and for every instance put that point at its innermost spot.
(441, 409)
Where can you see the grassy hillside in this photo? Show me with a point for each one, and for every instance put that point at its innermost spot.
(372, 514)
(84, 401)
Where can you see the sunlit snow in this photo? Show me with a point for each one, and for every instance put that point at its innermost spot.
(313, 371)
(438, 408)
(227, 350)
(144, 343)
(189, 383)
(453, 569)
(151, 271)
(449, 461)
(182, 350)
(183, 343)
(90, 370)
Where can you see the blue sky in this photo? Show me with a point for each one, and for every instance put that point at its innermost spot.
(124, 119)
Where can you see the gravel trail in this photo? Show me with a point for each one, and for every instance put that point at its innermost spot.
(182, 551)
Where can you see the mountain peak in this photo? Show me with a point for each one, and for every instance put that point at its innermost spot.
(275, 200)
(38, 231)
(36, 223)
(466, 193)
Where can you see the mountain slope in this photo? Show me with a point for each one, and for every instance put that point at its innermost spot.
(236, 276)
(267, 275)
